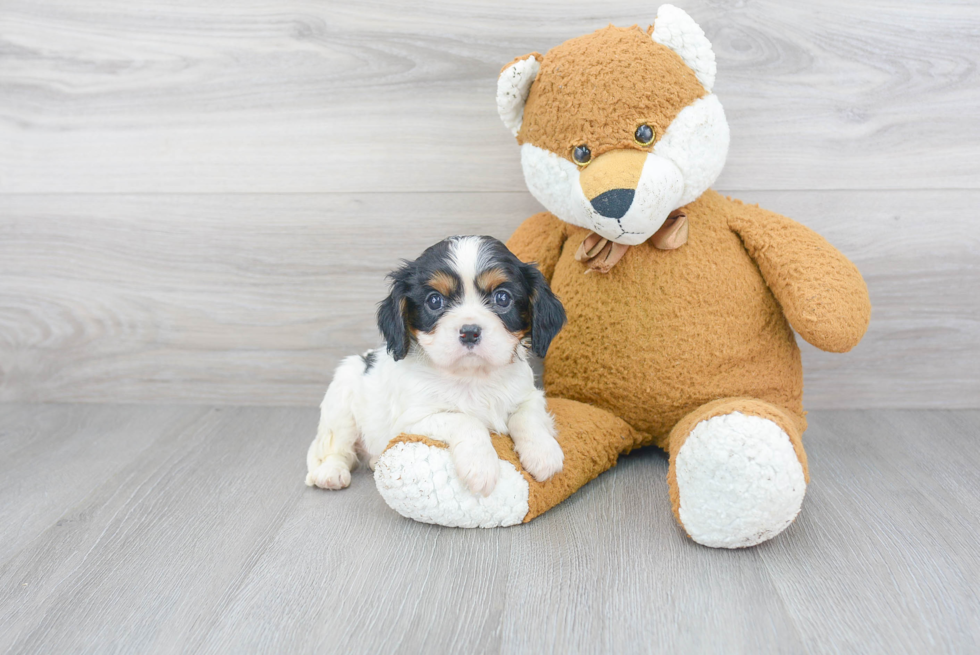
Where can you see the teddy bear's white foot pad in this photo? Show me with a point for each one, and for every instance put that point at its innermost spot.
(739, 481)
(419, 482)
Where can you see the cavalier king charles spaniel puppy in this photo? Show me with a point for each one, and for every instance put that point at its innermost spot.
(458, 324)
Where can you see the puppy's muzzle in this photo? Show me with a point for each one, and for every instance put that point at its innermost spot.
(469, 335)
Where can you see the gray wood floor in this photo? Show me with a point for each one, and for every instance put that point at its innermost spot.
(188, 529)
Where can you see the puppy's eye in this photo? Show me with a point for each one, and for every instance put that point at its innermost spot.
(502, 298)
(582, 155)
(644, 135)
(434, 301)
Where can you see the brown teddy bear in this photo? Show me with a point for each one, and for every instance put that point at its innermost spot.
(681, 302)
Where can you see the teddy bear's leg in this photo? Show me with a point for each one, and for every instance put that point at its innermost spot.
(738, 472)
(417, 478)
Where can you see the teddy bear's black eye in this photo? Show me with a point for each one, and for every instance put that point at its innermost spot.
(644, 135)
(582, 155)
(434, 302)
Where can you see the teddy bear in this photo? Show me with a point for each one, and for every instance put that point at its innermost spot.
(681, 303)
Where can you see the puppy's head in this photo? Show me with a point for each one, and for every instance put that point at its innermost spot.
(468, 303)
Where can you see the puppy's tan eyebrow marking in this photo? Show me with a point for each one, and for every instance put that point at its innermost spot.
(490, 279)
(443, 282)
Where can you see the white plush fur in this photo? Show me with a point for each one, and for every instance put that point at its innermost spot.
(696, 142)
(444, 389)
(684, 164)
(513, 85)
(678, 31)
(739, 480)
(420, 483)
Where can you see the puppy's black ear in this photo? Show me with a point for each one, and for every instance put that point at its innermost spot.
(547, 312)
(392, 314)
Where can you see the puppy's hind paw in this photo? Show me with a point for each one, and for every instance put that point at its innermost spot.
(542, 458)
(329, 475)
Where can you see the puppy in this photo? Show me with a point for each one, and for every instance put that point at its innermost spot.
(458, 323)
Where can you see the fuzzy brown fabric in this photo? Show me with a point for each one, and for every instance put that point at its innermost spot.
(820, 291)
(667, 331)
(596, 89)
(669, 334)
(592, 441)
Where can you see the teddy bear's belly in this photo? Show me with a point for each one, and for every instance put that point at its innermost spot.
(667, 331)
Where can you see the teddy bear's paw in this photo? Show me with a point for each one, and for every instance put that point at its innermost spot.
(739, 481)
(420, 482)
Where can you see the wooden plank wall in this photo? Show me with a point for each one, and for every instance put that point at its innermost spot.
(199, 200)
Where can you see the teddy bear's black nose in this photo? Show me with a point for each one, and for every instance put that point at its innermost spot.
(614, 203)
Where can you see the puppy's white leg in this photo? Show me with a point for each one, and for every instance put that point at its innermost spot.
(532, 430)
(331, 455)
(477, 464)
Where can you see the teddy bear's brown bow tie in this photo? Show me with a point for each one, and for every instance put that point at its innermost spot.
(601, 254)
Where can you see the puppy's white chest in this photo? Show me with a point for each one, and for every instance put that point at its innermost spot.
(490, 403)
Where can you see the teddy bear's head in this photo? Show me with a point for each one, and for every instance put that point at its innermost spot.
(619, 127)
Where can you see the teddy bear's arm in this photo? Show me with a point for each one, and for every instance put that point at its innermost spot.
(539, 239)
(821, 292)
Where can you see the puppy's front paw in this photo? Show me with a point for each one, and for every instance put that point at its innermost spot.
(477, 466)
(331, 474)
(542, 457)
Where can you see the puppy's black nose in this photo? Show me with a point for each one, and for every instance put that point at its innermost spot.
(614, 203)
(469, 335)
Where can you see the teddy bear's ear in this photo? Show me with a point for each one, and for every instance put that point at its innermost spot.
(678, 31)
(513, 85)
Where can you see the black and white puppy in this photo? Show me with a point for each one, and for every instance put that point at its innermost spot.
(458, 323)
